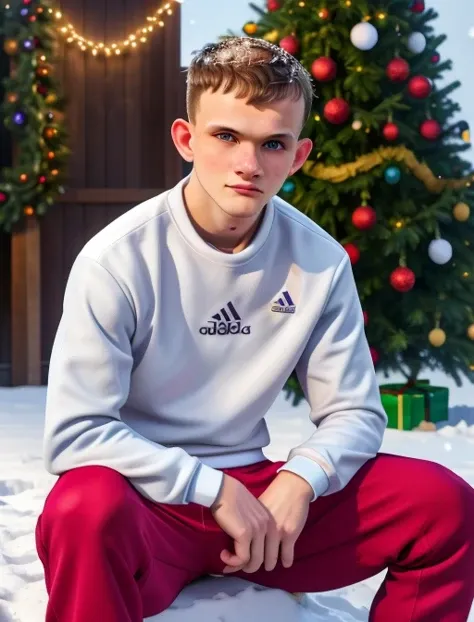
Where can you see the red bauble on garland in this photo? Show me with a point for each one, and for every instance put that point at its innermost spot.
(391, 132)
(398, 70)
(273, 5)
(375, 355)
(419, 87)
(3, 197)
(430, 129)
(435, 58)
(337, 111)
(353, 252)
(402, 279)
(417, 6)
(290, 44)
(324, 69)
(364, 217)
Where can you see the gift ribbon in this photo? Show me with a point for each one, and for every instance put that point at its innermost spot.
(400, 393)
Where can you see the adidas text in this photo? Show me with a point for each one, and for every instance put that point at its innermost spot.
(225, 328)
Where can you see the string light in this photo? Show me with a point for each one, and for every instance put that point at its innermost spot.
(140, 36)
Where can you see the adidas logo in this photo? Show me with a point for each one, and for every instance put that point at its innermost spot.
(284, 304)
(226, 322)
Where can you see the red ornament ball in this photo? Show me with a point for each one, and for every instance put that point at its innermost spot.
(417, 6)
(419, 87)
(273, 5)
(337, 111)
(290, 44)
(364, 217)
(398, 70)
(353, 252)
(391, 131)
(435, 58)
(375, 355)
(324, 69)
(42, 179)
(430, 129)
(402, 279)
(365, 315)
(3, 197)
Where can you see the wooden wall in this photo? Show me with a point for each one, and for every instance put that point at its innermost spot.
(5, 324)
(119, 115)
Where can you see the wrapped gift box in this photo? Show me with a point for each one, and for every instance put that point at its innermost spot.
(407, 405)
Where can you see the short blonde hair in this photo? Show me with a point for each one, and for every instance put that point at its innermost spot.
(254, 68)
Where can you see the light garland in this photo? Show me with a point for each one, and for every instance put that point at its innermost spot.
(140, 36)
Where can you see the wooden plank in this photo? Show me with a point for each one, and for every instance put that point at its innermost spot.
(115, 96)
(119, 196)
(74, 86)
(172, 101)
(133, 118)
(94, 116)
(26, 304)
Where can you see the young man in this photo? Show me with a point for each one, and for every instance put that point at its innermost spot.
(182, 321)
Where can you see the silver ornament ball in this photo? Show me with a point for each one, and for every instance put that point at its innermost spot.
(364, 36)
(440, 251)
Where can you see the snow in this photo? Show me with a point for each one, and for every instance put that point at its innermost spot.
(24, 485)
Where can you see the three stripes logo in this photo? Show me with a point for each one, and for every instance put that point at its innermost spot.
(284, 304)
(226, 322)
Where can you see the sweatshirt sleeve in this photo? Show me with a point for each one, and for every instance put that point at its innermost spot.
(337, 375)
(89, 382)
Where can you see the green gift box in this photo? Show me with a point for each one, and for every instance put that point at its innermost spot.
(407, 405)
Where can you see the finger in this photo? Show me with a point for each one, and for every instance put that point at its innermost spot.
(257, 553)
(287, 552)
(272, 550)
(232, 560)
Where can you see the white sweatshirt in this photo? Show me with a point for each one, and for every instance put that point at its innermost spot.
(169, 354)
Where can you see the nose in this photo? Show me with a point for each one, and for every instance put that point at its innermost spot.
(247, 163)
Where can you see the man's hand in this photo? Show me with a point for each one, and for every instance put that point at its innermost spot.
(287, 498)
(244, 519)
(262, 527)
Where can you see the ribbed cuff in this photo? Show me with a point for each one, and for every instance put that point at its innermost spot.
(310, 471)
(205, 486)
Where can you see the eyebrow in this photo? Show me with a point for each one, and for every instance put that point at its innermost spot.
(221, 128)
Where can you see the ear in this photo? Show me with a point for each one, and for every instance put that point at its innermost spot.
(181, 133)
(303, 150)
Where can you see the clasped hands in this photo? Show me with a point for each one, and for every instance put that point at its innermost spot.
(263, 529)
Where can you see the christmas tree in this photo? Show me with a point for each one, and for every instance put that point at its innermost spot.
(386, 176)
(32, 111)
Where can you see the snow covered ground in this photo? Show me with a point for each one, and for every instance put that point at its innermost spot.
(24, 485)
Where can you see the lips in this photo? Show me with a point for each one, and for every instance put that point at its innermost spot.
(246, 190)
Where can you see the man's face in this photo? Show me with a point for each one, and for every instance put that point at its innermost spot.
(243, 154)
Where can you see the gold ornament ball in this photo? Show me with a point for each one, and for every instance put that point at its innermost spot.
(11, 47)
(461, 212)
(272, 36)
(437, 337)
(250, 28)
(357, 125)
(12, 98)
(470, 332)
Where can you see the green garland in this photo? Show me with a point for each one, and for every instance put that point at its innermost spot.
(32, 112)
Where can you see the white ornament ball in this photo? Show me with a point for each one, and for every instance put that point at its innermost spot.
(440, 251)
(416, 42)
(357, 125)
(364, 36)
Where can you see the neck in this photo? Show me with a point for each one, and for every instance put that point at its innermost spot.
(227, 234)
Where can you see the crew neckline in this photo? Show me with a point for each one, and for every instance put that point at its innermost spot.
(177, 210)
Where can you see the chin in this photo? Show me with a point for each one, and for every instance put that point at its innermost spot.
(243, 209)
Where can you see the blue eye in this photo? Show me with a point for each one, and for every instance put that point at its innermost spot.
(277, 143)
(225, 134)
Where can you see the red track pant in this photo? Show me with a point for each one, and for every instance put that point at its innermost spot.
(110, 555)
